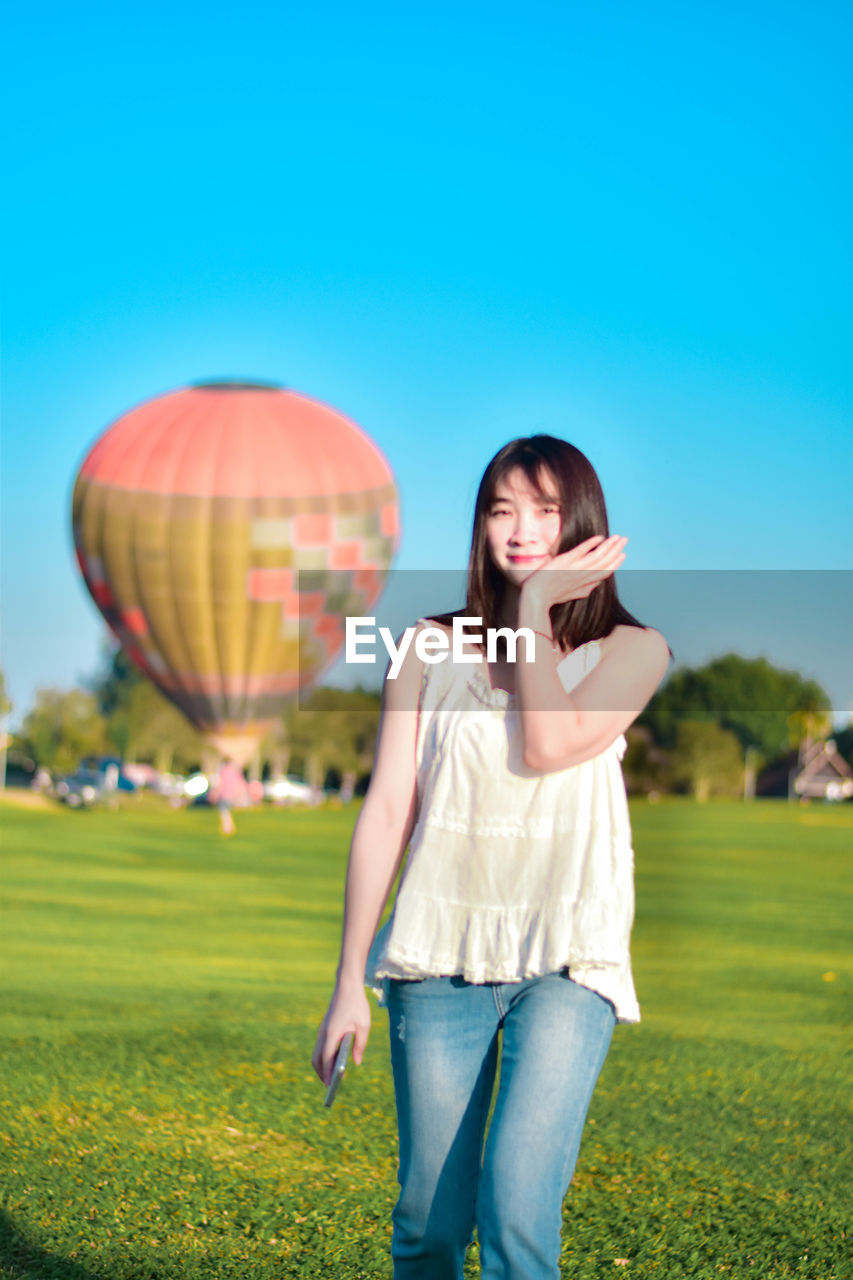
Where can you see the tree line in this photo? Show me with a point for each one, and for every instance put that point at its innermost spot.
(699, 734)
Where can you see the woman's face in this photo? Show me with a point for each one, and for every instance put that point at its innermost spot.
(523, 525)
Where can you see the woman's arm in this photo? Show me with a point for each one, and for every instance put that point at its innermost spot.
(562, 729)
(378, 844)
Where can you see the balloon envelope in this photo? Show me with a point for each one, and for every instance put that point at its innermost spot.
(225, 531)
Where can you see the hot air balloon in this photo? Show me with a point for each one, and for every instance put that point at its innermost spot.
(225, 531)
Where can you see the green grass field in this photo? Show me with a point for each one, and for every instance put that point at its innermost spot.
(162, 988)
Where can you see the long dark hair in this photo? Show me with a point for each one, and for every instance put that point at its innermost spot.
(542, 459)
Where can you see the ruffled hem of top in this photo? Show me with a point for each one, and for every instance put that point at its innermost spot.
(484, 945)
(614, 982)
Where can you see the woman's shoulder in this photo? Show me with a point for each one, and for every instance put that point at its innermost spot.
(442, 621)
(408, 666)
(644, 644)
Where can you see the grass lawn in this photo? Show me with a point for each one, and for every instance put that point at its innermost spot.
(162, 988)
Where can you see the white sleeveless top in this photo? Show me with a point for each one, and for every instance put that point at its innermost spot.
(510, 872)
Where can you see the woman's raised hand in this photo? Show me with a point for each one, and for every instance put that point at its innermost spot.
(348, 1011)
(575, 574)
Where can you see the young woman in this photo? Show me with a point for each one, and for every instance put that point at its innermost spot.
(515, 908)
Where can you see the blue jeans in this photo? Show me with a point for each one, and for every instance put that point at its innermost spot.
(444, 1052)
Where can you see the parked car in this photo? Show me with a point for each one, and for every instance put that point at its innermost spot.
(111, 769)
(19, 774)
(80, 790)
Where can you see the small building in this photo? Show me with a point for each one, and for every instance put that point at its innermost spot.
(821, 773)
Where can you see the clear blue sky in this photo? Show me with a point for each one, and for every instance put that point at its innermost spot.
(628, 224)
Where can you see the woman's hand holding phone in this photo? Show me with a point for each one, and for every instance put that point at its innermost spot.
(349, 1011)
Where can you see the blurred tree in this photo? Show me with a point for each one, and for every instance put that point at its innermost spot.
(328, 729)
(62, 728)
(707, 759)
(645, 767)
(762, 705)
(274, 751)
(334, 729)
(113, 684)
(141, 723)
(844, 742)
(145, 726)
(808, 723)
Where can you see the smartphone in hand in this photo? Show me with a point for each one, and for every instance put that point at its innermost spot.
(339, 1068)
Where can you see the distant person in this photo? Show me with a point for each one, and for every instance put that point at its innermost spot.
(231, 789)
(515, 907)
